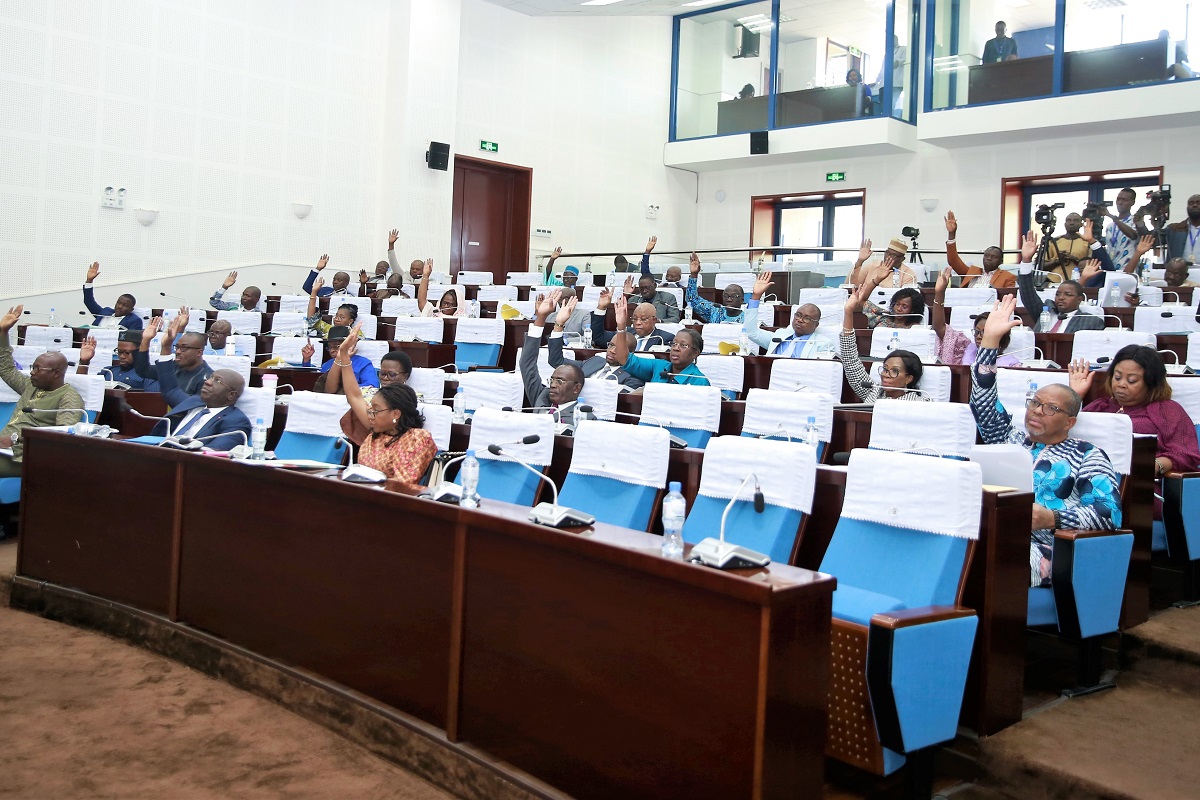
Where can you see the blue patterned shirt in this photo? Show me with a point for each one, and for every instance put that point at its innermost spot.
(707, 311)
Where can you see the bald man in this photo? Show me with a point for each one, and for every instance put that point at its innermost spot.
(251, 299)
(218, 340)
(341, 281)
(44, 391)
(644, 322)
(210, 415)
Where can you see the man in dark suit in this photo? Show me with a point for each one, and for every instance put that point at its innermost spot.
(119, 315)
(210, 413)
(1067, 301)
(599, 366)
(644, 322)
(566, 382)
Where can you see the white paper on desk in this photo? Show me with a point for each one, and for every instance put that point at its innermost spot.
(6, 452)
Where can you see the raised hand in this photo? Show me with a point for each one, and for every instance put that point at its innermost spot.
(694, 264)
(1144, 245)
(1080, 375)
(951, 225)
(318, 285)
(943, 280)
(322, 261)
(179, 324)
(393, 235)
(1000, 321)
(621, 311)
(1085, 232)
(555, 253)
(230, 280)
(1028, 246)
(427, 269)
(349, 344)
(150, 331)
(307, 351)
(547, 303)
(93, 272)
(650, 244)
(10, 319)
(761, 284)
(87, 350)
(362, 276)
(564, 313)
(864, 252)
(1088, 270)
(605, 299)
(627, 289)
(878, 276)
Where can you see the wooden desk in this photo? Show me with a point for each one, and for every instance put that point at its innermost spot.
(737, 116)
(532, 645)
(1010, 80)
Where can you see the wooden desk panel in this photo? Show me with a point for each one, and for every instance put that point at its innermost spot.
(361, 596)
(672, 679)
(116, 540)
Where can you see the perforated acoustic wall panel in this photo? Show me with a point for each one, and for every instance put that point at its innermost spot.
(218, 114)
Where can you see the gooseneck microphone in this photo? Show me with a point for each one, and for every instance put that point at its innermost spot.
(549, 514)
(450, 492)
(723, 555)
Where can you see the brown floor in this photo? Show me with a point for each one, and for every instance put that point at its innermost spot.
(84, 716)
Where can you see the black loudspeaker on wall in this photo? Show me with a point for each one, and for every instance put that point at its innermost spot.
(438, 155)
(758, 142)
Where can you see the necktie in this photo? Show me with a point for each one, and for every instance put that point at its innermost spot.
(191, 423)
(642, 343)
(1057, 325)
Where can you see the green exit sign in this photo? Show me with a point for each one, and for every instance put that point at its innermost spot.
(489, 147)
(831, 177)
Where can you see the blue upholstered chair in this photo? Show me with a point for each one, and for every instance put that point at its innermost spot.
(901, 643)
(500, 477)
(936, 429)
(609, 483)
(313, 427)
(776, 414)
(693, 413)
(477, 342)
(786, 472)
(1177, 534)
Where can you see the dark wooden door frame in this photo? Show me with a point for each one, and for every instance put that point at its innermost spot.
(516, 249)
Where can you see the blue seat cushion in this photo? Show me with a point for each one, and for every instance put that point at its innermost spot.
(10, 490)
(327, 449)
(614, 502)
(858, 605)
(1042, 609)
(505, 481)
(472, 354)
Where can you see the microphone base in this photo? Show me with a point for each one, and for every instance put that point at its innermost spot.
(556, 516)
(182, 443)
(1043, 363)
(444, 492)
(724, 555)
(1178, 369)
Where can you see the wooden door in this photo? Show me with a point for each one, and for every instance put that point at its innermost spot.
(490, 229)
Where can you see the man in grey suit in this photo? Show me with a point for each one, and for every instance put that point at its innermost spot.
(666, 307)
(602, 367)
(566, 382)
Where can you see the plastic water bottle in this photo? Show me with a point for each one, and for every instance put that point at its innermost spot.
(459, 414)
(468, 471)
(230, 349)
(587, 336)
(1075, 273)
(580, 403)
(744, 342)
(587, 267)
(674, 509)
(894, 342)
(687, 313)
(1048, 318)
(1030, 391)
(53, 319)
(810, 432)
(258, 440)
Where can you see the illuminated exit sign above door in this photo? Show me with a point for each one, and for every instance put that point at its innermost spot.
(489, 147)
(831, 177)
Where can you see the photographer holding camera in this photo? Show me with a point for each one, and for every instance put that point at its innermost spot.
(1183, 237)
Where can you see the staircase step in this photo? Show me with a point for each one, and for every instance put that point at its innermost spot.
(1172, 635)
(1134, 742)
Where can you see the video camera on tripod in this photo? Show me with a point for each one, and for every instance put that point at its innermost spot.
(1044, 216)
(1160, 204)
(1096, 212)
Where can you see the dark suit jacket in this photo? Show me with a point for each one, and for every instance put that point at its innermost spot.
(537, 394)
(130, 321)
(601, 337)
(1033, 304)
(589, 366)
(226, 421)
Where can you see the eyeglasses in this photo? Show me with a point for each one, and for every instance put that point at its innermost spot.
(35, 368)
(215, 379)
(187, 347)
(560, 381)
(391, 376)
(372, 411)
(891, 372)
(677, 345)
(1046, 409)
(651, 318)
(806, 318)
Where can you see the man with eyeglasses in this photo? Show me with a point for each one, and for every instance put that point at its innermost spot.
(122, 370)
(732, 298)
(1074, 483)
(566, 382)
(44, 391)
(644, 321)
(803, 342)
(601, 367)
(185, 348)
(210, 414)
(218, 340)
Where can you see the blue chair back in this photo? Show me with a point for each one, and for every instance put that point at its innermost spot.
(472, 354)
(772, 532)
(10, 490)
(328, 449)
(6, 412)
(694, 438)
(505, 481)
(609, 500)
(783, 438)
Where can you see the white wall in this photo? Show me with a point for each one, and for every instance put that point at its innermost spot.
(966, 180)
(584, 103)
(218, 114)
